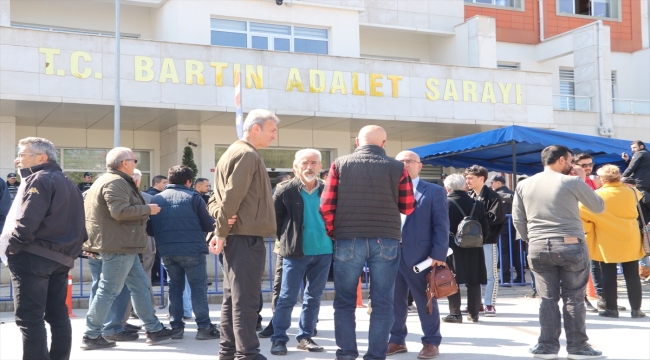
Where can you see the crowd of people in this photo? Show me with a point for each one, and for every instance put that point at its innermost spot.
(372, 210)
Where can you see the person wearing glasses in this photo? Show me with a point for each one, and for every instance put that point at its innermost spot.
(44, 238)
(116, 217)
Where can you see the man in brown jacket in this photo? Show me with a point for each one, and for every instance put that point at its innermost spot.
(116, 216)
(242, 188)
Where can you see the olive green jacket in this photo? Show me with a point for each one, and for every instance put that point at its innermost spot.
(116, 216)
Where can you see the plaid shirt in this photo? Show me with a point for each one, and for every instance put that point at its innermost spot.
(406, 201)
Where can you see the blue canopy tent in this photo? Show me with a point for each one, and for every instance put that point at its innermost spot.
(516, 149)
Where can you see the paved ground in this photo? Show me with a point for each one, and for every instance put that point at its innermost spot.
(507, 336)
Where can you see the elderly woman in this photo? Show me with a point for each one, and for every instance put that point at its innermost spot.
(614, 237)
(467, 263)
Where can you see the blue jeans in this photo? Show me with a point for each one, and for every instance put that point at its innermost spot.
(178, 267)
(187, 299)
(382, 256)
(113, 323)
(315, 268)
(118, 270)
(490, 251)
(561, 270)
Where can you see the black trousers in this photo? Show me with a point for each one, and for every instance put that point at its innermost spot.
(473, 301)
(505, 259)
(632, 281)
(40, 287)
(243, 264)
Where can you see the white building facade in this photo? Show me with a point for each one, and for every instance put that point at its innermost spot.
(423, 69)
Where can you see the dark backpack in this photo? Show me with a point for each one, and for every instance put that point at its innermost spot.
(469, 233)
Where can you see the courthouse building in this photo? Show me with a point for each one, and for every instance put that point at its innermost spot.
(425, 70)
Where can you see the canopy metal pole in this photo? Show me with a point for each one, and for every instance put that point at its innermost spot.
(514, 164)
(116, 119)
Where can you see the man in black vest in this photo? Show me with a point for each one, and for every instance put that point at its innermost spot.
(12, 185)
(87, 183)
(364, 195)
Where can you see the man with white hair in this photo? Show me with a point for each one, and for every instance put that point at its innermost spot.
(116, 216)
(44, 233)
(305, 248)
(243, 188)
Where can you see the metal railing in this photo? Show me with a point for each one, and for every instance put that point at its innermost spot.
(631, 106)
(572, 103)
(520, 256)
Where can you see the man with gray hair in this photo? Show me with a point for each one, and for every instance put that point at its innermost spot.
(305, 248)
(116, 216)
(242, 188)
(44, 237)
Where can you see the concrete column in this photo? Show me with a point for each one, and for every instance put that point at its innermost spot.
(172, 142)
(476, 42)
(587, 69)
(5, 13)
(7, 145)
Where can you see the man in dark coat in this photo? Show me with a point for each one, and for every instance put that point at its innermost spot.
(466, 263)
(639, 166)
(509, 242)
(476, 176)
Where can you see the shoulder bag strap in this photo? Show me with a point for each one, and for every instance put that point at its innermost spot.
(473, 208)
(458, 206)
(638, 206)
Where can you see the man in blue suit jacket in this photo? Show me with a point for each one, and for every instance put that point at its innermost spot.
(425, 234)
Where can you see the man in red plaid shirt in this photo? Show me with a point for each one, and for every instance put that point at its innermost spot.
(364, 195)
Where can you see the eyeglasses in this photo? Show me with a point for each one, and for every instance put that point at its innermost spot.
(23, 154)
(135, 161)
(585, 166)
(408, 161)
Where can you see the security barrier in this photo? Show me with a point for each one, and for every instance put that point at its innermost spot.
(512, 257)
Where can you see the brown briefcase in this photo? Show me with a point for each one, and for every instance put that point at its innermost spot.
(441, 282)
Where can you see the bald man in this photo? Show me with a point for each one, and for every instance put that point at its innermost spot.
(364, 195)
(425, 235)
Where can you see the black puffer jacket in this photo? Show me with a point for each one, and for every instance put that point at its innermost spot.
(289, 212)
(639, 168)
(53, 221)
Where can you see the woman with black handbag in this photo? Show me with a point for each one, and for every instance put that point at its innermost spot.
(467, 263)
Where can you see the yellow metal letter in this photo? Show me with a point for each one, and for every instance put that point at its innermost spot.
(252, 77)
(394, 79)
(431, 85)
(505, 90)
(518, 92)
(338, 84)
(312, 81)
(143, 65)
(293, 81)
(218, 68)
(74, 64)
(488, 93)
(469, 88)
(168, 71)
(450, 90)
(194, 68)
(375, 83)
(355, 85)
(49, 59)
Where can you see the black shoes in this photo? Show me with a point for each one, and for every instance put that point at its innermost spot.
(473, 319)
(279, 348)
(162, 335)
(609, 313)
(95, 344)
(587, 353)
(540, 353)
(208, 333)
(122, 336)
(132, 328)
(602, 305)
(268, 330)
(309, 345)
(179, 335)
(636, 314)
(590, 308)
(458, 319)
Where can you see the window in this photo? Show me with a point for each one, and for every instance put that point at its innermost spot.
(72, 31)
(245, 34)
(277, 159)
(507, 65)
(567, 90)
(518, 4)
(597, 8)
(76, 162)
